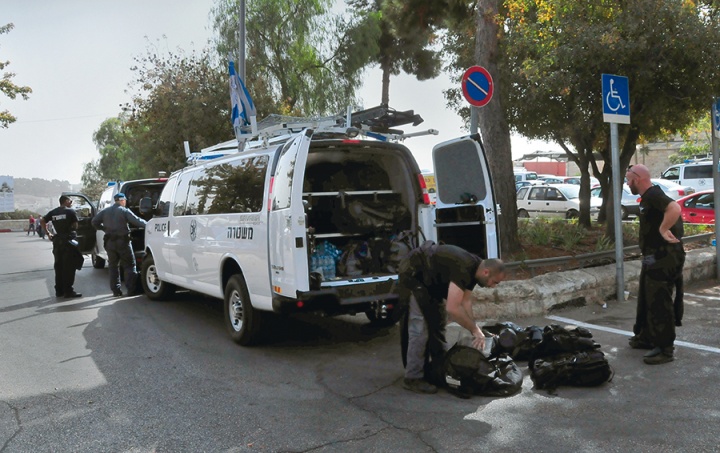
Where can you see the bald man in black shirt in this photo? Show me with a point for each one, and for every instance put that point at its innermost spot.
(434, 281)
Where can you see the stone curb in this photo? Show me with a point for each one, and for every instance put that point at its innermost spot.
(540, 295)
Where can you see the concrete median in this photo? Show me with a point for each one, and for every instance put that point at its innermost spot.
(542, 294)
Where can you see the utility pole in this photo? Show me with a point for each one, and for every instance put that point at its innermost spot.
(241, 42)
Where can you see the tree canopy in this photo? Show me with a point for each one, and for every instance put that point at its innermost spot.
(402, 45)
(556, 50)
(300, 59)
(8, 88)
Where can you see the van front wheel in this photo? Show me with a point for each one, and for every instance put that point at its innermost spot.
(153, 287)
(241, 319)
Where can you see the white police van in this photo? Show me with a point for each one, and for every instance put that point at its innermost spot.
(309, 218)
(697, 175)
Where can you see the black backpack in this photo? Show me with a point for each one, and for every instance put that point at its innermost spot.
(580, 369)
(568, 357)
(469, 371)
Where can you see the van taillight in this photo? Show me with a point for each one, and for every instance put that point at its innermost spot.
(423, 186)
(351, 141)
(270, 191)
(681, 192)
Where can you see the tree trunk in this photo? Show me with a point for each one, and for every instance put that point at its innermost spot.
(385, 96)
(494, 128)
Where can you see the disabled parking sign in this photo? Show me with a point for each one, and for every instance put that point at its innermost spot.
(616, 99)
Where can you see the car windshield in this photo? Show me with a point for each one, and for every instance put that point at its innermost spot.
(570, 191)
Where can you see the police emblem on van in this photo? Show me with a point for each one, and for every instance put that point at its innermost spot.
(193, 229)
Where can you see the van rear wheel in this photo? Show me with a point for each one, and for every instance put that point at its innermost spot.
(154, 288)
(523, 214)
(242, 320)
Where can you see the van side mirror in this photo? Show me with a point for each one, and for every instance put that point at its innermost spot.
(146, 206)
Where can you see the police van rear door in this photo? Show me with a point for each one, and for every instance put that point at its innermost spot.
(287, 232)
(465, 210)
(85, 210)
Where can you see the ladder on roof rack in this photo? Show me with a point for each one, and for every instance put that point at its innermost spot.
(376, 122)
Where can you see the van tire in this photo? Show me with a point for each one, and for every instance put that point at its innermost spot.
(153, 287)
(97, 262)
(572, 214)
(242, 320)
(523, 214)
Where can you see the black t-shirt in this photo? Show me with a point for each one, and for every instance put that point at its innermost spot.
(652, 209)
(449, 263)
(62, 219)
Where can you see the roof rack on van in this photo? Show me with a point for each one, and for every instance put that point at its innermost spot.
(377, 122)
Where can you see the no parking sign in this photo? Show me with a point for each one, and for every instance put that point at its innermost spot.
(477, 86)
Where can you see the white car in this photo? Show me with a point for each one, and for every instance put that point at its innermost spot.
(557, 200)
(672, 189)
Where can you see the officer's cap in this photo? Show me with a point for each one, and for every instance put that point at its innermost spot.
(119, 196)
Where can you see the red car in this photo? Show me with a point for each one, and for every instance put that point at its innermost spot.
(698, 207)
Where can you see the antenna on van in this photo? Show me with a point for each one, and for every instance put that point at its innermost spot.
(186, 145)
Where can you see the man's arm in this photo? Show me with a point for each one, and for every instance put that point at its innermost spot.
(671, 215)
(97, 221)
(459, 307)
(133, 219)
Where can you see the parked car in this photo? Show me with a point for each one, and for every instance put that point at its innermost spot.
(698, 207)
(524, 175)
(553, 179)
(672, 189)
(560, 200)
(519, 184)
(629, 203)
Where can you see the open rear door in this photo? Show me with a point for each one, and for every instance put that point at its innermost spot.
(287, 233)
(465, 213)
(85, 210)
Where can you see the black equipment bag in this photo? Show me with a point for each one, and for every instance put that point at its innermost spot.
(568, 357)
(478, 375)
(580, 369)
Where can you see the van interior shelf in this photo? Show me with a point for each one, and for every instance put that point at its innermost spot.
(336, 235)
(347, 192)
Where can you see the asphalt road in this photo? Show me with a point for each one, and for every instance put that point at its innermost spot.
(100, 374)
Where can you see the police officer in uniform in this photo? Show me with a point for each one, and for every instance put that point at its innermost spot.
(661, 230)
(65, 223)
(435, 281)
(115, 221)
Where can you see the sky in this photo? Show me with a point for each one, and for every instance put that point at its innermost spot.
(76, 56)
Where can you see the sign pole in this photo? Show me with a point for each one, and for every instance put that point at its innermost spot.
(715, 124)
(619, 255)
(474, 119)
(616, 109)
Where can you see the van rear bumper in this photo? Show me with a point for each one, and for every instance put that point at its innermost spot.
(337, 300)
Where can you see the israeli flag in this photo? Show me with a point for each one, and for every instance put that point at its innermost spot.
(243, 109)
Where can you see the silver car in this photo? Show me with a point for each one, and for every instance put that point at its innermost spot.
(629, 203)
(672, 189)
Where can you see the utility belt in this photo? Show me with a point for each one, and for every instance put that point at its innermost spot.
(112, 237)
(665, 256)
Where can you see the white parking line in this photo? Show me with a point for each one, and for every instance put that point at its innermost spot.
(630, 334)
(701, 296)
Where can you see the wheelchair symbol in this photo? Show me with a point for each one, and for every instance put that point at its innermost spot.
(613, 94)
